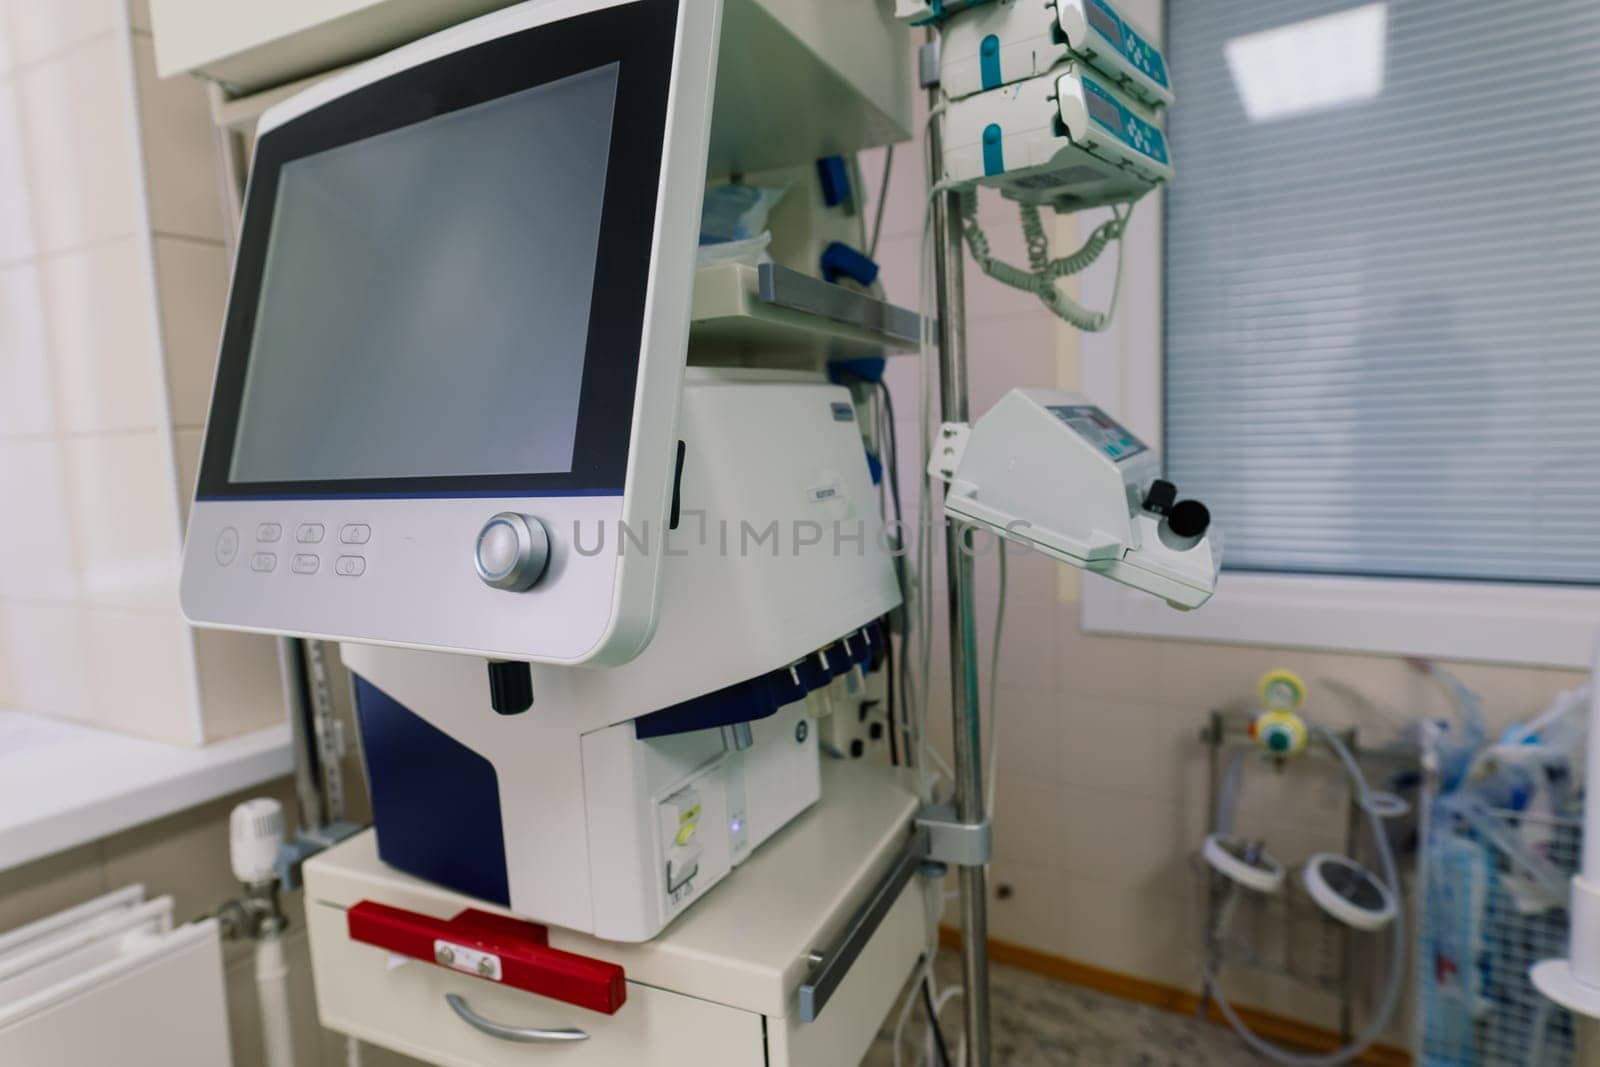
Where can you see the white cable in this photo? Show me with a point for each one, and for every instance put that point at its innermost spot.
(1041, 280)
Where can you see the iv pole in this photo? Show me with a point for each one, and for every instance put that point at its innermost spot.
(950, 306)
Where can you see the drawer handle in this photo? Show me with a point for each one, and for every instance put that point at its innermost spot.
(529, 1035)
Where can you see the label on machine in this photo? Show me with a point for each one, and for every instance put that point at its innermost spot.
(1116, 119)
(1099, 429)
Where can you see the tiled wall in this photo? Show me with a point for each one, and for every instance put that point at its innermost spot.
(1102, 791)
(113, 276)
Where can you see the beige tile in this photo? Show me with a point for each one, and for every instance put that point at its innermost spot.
(1025, 905)
(192, 279)
(1126, 747)
(1149, 935)
(1137, 843)
(39, 29)
(26, 405)
(37, 557)
(42, 888)
(1030, 727)
(43, 649)
(102, 338)
(1028, 642)
(126, 519)
(1121, 668)
(1028, 821)
(186, 446)
(141, 684)
(239, 686)
(17, 237)
(1215, 676)
(80, 152)
(179, 151)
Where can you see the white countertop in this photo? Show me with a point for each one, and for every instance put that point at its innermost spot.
(63, 785)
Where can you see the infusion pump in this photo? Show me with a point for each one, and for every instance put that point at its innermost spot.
(1054, 473)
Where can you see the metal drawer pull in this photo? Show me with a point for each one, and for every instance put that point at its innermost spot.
(526, 1034)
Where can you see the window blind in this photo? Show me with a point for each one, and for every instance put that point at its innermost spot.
(1382, 284)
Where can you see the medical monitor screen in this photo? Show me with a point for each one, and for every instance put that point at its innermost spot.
(444, 270)
(424, 306)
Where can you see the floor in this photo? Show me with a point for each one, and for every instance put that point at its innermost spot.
(1040, 1022)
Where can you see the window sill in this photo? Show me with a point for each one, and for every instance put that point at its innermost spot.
(63, 785)
(1514, 624)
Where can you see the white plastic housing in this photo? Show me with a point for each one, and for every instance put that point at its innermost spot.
(412, 581)
(1065, 139)
(1040, 470)
(578, 793)
(255, 835)
(1006, 41)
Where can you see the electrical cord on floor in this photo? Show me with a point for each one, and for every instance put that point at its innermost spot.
(933, 1024)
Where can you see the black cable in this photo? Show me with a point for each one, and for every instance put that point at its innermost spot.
(888, 674)
(883, 197)
(933, 1023)
(891, 461)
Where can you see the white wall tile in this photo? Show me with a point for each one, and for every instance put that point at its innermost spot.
(79, 149)
(240, 689)
(40, 28)
(179, 151)
(141, 683)
(126, 520)
(37, 558)
(26, 404)
(42, 656)
(102, 339)
(192, 280)
(17, 238)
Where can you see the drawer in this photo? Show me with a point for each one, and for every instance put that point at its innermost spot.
(360, 991)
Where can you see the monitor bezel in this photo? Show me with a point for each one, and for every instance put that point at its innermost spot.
(639, 38)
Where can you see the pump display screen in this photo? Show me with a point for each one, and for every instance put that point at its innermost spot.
(424, 306)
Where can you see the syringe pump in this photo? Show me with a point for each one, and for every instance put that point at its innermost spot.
(1053, 472)
(1000, 43)
(1065, 139)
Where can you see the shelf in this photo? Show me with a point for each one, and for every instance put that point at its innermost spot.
(63, 785)
(745, 307)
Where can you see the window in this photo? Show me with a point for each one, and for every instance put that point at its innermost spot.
(1381, 352)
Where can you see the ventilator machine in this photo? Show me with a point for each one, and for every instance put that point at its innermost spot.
(605, 519)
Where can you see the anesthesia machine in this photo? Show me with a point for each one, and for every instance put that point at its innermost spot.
(588, 509)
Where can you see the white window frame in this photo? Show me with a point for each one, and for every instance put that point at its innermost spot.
(1540, 625)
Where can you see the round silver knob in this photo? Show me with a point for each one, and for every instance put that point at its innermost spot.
(513, 551)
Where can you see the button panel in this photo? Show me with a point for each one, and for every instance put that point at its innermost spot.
(228, 544)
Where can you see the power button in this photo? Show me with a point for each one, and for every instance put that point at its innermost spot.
(227, 547)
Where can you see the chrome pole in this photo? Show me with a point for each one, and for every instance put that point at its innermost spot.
(949, 258)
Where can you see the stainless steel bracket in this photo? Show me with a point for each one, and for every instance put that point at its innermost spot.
(960, 844)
